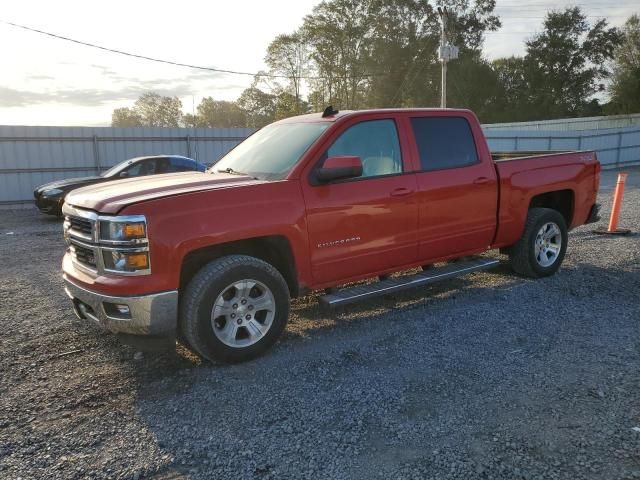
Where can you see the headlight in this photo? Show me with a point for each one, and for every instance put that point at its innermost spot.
(120, 230)
(125, 261)
(124, 244)
(52, 193)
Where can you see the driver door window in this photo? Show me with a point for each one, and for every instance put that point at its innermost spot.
(375, 142)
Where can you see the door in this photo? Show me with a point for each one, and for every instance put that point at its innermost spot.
(458, 192)
(367, 224)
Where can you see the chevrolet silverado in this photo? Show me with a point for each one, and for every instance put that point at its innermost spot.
(315, 202)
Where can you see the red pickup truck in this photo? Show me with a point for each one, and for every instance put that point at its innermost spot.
(309, 203)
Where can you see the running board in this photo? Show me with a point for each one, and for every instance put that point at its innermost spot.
(391, 285)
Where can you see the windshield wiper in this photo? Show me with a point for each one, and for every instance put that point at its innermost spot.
(231, 171)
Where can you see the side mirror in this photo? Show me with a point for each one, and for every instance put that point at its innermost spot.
(337, 168)
(124, 174)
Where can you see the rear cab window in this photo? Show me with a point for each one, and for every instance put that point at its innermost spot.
(444, 142)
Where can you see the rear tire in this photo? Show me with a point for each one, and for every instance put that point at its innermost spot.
(541, 249)
(234, 309)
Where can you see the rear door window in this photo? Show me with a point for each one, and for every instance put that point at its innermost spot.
(444, 142)
(182, 165)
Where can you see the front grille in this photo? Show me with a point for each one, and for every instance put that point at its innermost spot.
(81, 225)
(83, 255)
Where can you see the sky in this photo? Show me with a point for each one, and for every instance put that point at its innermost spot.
(46, 81)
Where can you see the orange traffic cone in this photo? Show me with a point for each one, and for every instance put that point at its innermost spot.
(615, 210)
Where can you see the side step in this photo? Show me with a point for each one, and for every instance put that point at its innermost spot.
(391, 285)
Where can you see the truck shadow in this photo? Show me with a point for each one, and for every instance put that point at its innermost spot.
(321, 351)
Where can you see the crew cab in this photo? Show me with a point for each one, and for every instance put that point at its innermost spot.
(310, 203)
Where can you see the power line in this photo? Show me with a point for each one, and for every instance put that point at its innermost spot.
(170, 62)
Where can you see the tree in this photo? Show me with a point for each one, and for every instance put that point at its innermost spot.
(150, 110)
(512, 103)
(474, 84)
(288, 55)
(158, 111)
(219, 114)
(625, 84)
(403, 59)
(468, 22)
(566, 64)
(339, 34)
(286, 105)
(259, 107)
(125, 117)
(382, 53)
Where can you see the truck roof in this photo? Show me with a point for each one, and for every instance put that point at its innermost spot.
(317, 117)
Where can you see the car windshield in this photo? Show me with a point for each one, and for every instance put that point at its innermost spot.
(271, 153)
(113, 171)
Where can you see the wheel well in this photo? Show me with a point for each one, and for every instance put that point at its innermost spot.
(561, 200)
(274, 250)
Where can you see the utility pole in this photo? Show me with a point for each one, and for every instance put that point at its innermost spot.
(446, 52)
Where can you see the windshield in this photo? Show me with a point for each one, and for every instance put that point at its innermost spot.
(115, 169)
(272, 152)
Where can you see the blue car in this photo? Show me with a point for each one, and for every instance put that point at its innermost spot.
(50, 196)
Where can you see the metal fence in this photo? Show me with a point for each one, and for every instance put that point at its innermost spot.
(614, 147)
(567, 124)
(32, 156)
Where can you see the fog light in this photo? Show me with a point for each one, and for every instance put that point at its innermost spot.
(123, 309)
(117, 310)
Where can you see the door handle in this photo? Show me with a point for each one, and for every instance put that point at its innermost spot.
(401, 192)
(481, 180)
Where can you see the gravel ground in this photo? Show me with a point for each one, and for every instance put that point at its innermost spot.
(489, 377)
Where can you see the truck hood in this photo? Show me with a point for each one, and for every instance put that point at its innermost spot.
(111, 197)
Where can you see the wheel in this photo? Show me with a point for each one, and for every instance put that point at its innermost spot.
(541, 249)
(234, 308)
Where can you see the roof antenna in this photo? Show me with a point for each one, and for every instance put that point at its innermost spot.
(329, 111)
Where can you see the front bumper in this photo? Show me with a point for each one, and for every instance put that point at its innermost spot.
(50, 205)
(155, 314)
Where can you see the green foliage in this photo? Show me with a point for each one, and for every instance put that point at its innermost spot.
(474, 84)
(339, 34)
(288, 55)
(259, 107)
(150, 110)
(565, 66)
(625, 84)
(403, 55)
(219, 113)
(566, 63)
(512, 102)
(126, 117)
(468, 21)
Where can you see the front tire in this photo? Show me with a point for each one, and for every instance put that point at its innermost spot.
(541, 249)
(234, 308)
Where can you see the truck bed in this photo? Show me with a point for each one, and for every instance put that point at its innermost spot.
(523, 175)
